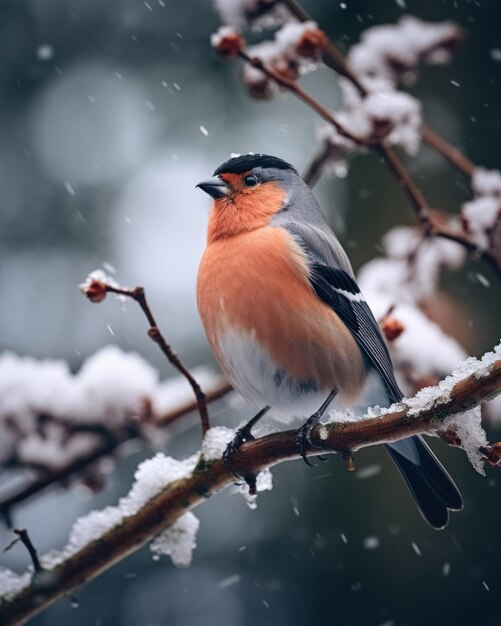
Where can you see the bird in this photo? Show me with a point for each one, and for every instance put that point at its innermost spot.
(287, 322)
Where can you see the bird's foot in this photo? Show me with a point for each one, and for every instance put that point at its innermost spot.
(242, 435)
(303, 438)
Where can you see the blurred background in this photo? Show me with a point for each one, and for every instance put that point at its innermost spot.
(110, 113)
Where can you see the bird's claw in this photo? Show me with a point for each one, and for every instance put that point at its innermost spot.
(303, 439)
(242, 435)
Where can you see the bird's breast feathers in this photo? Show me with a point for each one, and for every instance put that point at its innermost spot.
(277, 342)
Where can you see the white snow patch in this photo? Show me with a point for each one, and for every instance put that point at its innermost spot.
(216, 441)
(468, 426)
(11, 583)
(264, 482)
(390, 50)
(178, 541)
(151, 477)
(221, 33)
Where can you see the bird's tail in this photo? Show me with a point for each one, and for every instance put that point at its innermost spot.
(433, 489)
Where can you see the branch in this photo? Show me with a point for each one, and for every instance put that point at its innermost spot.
(314, 171)
(431, 227)
(412, 417)
(335, 59)
(452, 154)
(111, 444)
(299, 92)
(24, 538)
(96, 291)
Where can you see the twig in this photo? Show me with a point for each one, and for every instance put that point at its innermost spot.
(109, 445)
(26, 541)
(314, 171)
(210, 477)
(415, 196)
(303, 95)
(137, 294)
(452, 154)
(335, 59)
(332, 56)
(417, 199)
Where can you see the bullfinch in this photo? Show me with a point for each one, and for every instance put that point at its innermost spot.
(286, 319)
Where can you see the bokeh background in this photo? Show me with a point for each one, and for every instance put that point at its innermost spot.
(110, 113)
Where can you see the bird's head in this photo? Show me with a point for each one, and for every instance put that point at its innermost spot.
(248, 191)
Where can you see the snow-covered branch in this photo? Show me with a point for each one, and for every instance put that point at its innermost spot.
(158, 506)
(57, 426)
(375, 114)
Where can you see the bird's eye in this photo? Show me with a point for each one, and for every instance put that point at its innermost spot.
(252, 180)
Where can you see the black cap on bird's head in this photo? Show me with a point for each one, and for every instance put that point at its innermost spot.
(247, 162)
(257, 167)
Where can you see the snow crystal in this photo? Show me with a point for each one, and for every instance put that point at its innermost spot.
(264, 482)
(178, 541)
(45, 52)
(11, 583)
(371, 543)
(229, 581)
(368, 472)
(216, 441)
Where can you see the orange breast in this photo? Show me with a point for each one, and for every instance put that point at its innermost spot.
(257, 283)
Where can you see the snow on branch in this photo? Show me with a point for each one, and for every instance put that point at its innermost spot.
(157, 507)
(374, 115)
(61, 425)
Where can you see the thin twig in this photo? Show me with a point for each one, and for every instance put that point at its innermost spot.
(303, 95)
(313, 172)
(415, 196)
(209, 477)
(24, 538)
(335, 59)
(417, 199)
(452, 154)
(137, 294)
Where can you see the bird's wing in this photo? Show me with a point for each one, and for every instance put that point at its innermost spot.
(332, 279)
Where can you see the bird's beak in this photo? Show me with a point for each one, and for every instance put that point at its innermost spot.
(215, 187)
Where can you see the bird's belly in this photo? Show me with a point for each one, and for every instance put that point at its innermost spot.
(277, 342)
(262, 382)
